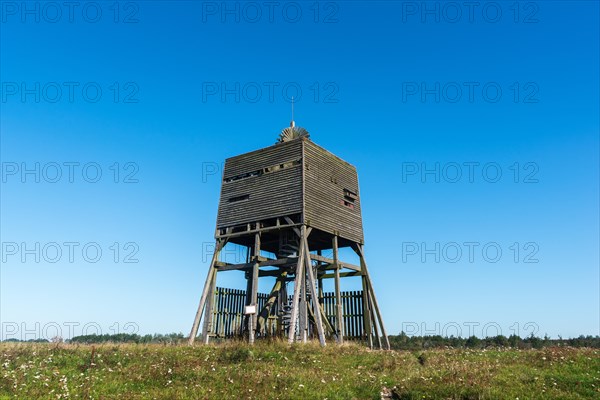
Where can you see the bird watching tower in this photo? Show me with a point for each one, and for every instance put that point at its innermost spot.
(294, 200)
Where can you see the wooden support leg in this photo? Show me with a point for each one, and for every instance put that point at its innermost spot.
(326, 323)
(303, 312)
(245, 326)
(367, 330)
(296, 297)
(270, 303)
(282, 302)
(254, 296)
(207, 285)
(374, 321)
(314, 294)
(208, 312)
(338, 295)
(319, 279)
(360, 253)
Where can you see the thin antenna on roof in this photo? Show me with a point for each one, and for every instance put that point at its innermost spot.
(292, 124)
(292, 132)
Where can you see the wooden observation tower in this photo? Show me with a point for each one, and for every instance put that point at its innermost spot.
(294, 200)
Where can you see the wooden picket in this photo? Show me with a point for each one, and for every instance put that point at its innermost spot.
(228, 313)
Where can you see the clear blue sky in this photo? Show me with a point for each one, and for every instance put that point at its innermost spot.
(390, 87)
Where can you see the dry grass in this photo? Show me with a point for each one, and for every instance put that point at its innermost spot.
(279, 371)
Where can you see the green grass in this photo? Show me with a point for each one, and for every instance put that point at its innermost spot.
(276, 370)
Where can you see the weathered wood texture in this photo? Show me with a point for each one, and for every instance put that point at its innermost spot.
(331, 199)
(267, 197)
(290, 178)
(228, 313)
(261, 158)
(262, 184)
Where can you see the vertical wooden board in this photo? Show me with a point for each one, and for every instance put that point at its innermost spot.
(357, 319)
(239, 298)
(350, 318)
(357, 331)
(215, 310)
(231, 322)
(223, 314)
(223, 303)
(241, 301)
(242, 304)
(350, 315)
(346, 313)
(332, 310)
(359, 299)
(227, 312)
(360, 318)
(352, 301)
(230, 314)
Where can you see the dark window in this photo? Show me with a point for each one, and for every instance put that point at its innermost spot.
(348, 204)
(239, 198)
(349, 198)
(266, 170)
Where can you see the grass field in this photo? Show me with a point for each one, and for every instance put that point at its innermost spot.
(276, 370)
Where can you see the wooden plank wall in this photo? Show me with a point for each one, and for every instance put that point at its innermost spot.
(326, 177)
(261, 158)
(228, 313)
(271, 194)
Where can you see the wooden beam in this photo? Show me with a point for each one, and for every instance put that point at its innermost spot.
(282, 301)
(342, 275)
(303, 311)
(303, 232)
(338, 296)
(254, 297)
(296, 296)
(359, 250)
(247, 266)
(368, 330)
(332, 262)
(374, 322)
(314, 294)
(319, 279)
(259, 230)
(208, 312)
(326, 323)
(210, 276)
(275, 272)
(273, 296)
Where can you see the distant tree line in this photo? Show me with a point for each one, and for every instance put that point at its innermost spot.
(397, 342)
(405, 342)
(12, 340)
(171, 338)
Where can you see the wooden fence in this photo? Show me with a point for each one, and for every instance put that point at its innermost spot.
(228, 313)
(352, 311)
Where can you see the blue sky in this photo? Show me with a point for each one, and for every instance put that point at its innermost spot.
(155, 95)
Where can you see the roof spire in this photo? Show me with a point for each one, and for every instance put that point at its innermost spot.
(292, 132)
